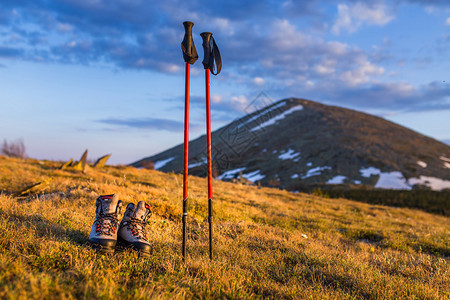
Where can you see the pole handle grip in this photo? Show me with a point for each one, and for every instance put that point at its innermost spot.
(187, 45)
(212, 59)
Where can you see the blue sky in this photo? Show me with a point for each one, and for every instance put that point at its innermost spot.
(109, 75)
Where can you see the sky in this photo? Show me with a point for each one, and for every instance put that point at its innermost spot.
(108, 75)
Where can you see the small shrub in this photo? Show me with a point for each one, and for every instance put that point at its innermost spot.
(149, 165)
(14, 149)
(318, 192)
(274, 182)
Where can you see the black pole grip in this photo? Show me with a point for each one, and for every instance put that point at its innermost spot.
(206, 36)
(212, 59)
(187, 45)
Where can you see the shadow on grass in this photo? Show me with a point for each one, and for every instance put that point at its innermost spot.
(45, 228)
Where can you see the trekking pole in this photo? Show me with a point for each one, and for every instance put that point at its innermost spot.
(190, 56)
(212, 54)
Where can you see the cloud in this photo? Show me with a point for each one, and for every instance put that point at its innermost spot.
(258, 81)
(145, 123)
(447, 21)
(351, 17)
(129, 34)
(285, 54)
(259, 52)
(64, 27)
(394, 96)
(361, 74)
(428, 3)
(230, 104)
(135, 35)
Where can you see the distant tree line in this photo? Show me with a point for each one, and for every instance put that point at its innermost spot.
(437, 202)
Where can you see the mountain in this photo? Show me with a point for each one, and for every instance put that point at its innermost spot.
(297, 143)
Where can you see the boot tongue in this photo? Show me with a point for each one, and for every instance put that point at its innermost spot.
(142, 211)
(129, 211)
(109, 203)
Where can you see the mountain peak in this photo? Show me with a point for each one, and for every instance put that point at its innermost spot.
(294, 143)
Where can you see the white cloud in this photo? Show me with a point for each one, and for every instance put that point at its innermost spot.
(344, 19)
(64, 27)
(337, 48)
(351, 18)
(430, 9)
(447, 22)
(216, 98)
(167, 67)
(362, 74)
(224, 26)
(316, 59)
(285, 36)
(239, 103)
(310, 84)
(326, 67)
(258, 81)
(324, 70)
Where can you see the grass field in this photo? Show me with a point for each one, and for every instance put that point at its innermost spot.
(268, 243)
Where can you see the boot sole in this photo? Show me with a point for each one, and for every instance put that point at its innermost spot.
(101, 248)
(123, 245)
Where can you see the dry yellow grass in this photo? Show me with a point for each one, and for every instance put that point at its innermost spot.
(268, 243)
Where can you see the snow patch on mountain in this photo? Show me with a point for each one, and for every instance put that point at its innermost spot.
(260, 114)
(161, 163)
(198, 164)
(387, 180)
(367, 172)
(315, 171)
(392, 180)
(277, 118)
(445, 159)
(434, 183)
(230, 173)
(395, 180)
(254, 176)
(339, 179)
(422, 164)
(290, 154)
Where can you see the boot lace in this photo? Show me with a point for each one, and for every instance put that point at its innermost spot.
(137, 228)
(106, 228)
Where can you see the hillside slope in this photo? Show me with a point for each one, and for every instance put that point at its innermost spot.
(268, 243)
(295, 143)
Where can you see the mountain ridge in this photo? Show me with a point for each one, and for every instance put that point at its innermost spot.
(294, 143)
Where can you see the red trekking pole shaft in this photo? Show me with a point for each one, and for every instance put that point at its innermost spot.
(209, 159)
(186, 155)
(208, 63)
(190, 56)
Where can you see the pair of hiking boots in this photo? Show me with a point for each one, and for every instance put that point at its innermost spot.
(106, 231)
